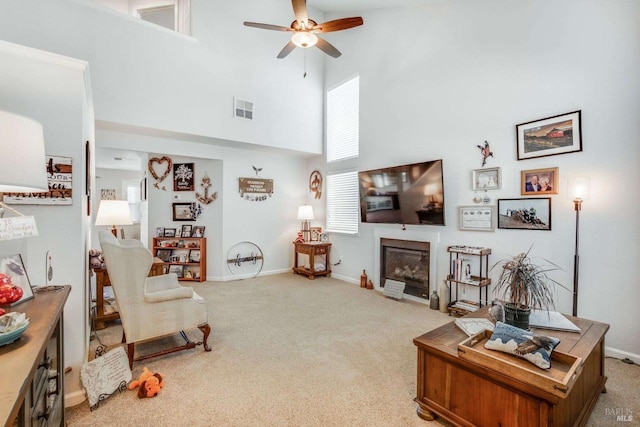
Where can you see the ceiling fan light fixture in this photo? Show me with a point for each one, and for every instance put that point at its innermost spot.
(304, 39)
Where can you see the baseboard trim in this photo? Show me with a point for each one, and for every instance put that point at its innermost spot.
(621, 354)
(74, 398)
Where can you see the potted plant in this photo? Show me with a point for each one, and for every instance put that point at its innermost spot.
(523, 286)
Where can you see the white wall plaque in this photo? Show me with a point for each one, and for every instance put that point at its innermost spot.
(477, 218)
(17, 227)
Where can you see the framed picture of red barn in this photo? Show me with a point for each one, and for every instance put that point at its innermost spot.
(548, 137)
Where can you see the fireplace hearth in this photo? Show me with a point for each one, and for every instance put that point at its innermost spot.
(406, 261)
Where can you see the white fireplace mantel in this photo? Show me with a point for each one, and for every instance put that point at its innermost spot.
(433, 237)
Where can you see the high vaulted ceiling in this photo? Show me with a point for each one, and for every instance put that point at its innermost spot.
(329, 6)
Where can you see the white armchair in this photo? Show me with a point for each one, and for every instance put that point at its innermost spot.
(150, 307)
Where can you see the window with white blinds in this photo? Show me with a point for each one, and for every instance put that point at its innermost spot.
(343, 121)
(342, 202)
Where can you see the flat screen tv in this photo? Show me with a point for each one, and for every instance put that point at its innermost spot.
(408, 194)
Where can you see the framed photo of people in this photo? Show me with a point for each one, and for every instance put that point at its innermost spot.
(539, 181)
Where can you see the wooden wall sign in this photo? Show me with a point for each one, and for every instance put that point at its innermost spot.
(255, 189)
(183, 177)
(315, 184)
(59, 178)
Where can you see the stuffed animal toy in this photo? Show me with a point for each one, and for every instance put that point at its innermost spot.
(299, 238)
(148, 384)
(95, 259)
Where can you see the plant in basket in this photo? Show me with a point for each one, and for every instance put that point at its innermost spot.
(524, 285)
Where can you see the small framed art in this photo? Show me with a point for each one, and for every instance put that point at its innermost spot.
(194, 255)
(315, 233)
(182, 212)
(539, 181)
(164, 254)
(14, 273)
(525, 213)
(487, 179)
(186, 231)
(477, 218)
(198, 231)
(547, 137)
(169, 232)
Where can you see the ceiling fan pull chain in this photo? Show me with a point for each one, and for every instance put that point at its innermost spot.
(305, 65)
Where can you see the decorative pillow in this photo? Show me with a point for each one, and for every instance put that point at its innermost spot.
(525, 344)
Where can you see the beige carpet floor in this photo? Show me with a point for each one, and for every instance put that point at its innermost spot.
(288, 351)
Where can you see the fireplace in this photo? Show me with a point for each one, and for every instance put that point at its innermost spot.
(406, 261)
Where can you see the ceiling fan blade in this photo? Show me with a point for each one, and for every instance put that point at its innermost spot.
(286, 50)
(267, 26)
(338, 24)
(328, 48)
(300, 10)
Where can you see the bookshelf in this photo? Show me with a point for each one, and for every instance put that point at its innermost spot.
(461, 277)
(185, 256)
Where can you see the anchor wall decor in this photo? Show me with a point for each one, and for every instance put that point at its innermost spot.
(206, 199)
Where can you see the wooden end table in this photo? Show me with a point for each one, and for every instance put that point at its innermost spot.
(312, 249)
(470, 394)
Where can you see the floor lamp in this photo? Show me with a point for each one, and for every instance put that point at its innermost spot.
(580, 188)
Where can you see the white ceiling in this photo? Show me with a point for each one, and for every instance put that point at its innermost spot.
(329, 6)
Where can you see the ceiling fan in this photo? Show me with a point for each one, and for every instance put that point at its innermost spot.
(305, 30)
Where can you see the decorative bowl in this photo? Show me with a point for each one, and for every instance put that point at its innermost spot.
(9, 337)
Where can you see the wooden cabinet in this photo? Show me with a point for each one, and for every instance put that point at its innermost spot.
(461, 278)
(185, 256)
(467, 393)
(32, 388)
(316, 267)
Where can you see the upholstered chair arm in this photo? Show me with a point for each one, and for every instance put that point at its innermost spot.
(165, 288)
(130, 243)
(168, 294)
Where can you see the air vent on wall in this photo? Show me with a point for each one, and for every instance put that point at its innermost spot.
(242, 109)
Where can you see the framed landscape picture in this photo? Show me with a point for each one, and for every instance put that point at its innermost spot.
(547, 137)
(539, 181)
(525, 213)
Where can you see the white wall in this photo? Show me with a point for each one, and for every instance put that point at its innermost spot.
(51, 90)
(271, 224)
(148, 76)
(448, 76)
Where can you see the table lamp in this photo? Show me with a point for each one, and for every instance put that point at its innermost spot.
(114, 212)
(305, 214)
(24, 166)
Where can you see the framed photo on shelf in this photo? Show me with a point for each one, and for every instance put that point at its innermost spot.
(477, 218)
(159, 232)
(487, 179)
(164, 254)
(525, 213)
(198, 231)
(539, 181)
(547, 137)
(194, 255)
(182, 212)
(13, 267)
(176, 269)
(315, 233)
(186, 231)
(169, 232)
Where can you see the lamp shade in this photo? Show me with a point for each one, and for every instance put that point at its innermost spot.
(114, 212)
(580, 187)
(24, 167)
(305, 213)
